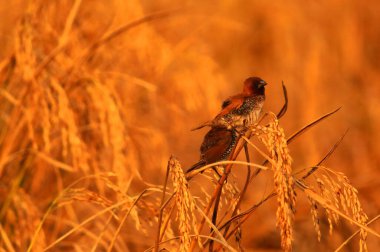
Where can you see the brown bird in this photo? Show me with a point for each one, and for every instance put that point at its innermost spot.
(217, 145)
(238, 111)
(242, 109)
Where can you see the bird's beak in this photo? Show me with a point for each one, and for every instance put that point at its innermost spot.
(262, 84)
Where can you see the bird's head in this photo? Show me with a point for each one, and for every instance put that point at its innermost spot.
(254, 86)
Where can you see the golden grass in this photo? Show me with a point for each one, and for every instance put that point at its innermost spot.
(274, 139)
(95, 96)
(185, 204)
(336, 189)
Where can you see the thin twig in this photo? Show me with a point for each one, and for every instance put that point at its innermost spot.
(244, 190)
(125, 28)
(214, 217)
(218, 192)
(285, 106)
(227, 171)
(191, 174)
(246, 215)
(161, 207)
(331, 151)
(166, 222)
(93, 217)
(229, 248)
(115, 235)
(215, 230)
(239, 200)
(64, 38)
(310, 125)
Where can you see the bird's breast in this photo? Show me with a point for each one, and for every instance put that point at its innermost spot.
(246, 114)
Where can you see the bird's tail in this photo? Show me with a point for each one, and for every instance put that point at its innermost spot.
(201, 126)
(196, 166)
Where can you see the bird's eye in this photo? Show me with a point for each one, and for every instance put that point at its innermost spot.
(262, 82)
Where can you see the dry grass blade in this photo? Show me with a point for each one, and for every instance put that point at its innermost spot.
(117, 32)
(7, 66)
(218, 190)
(244, 190)
(242, 193)
(9, 97)
(310, 125)
(115, 235)
(356, 233)
(62, 40)
(161, 208)
(93, 217)
(215, 216)
(168, 217)
(99, 238)
(55, 163)
(227, 246)
(230, 162)
(329, 153)
(6, 240)
(84, 195)
(54, 203)
(245, 215)
(16, 182)
(284, 108)
(215, 230)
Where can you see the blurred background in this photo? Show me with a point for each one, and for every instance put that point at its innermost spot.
(154, 80)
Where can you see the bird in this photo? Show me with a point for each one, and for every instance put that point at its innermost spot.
(238, 111)
(243, 109)
(217, 145)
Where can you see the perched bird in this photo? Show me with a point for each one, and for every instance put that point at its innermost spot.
(242, 109)
(238, 111)
(217, 145)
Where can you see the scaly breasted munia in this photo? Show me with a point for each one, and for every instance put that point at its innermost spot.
(242, 109)
(238, 111)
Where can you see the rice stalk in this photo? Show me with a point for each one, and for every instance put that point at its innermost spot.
(314, 217)
(185, 204)
(273, 137)
(337, 190)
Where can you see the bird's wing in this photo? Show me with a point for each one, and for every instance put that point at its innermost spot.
(216, 142)
(225, 105)
(234, 102)
(226, 102)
